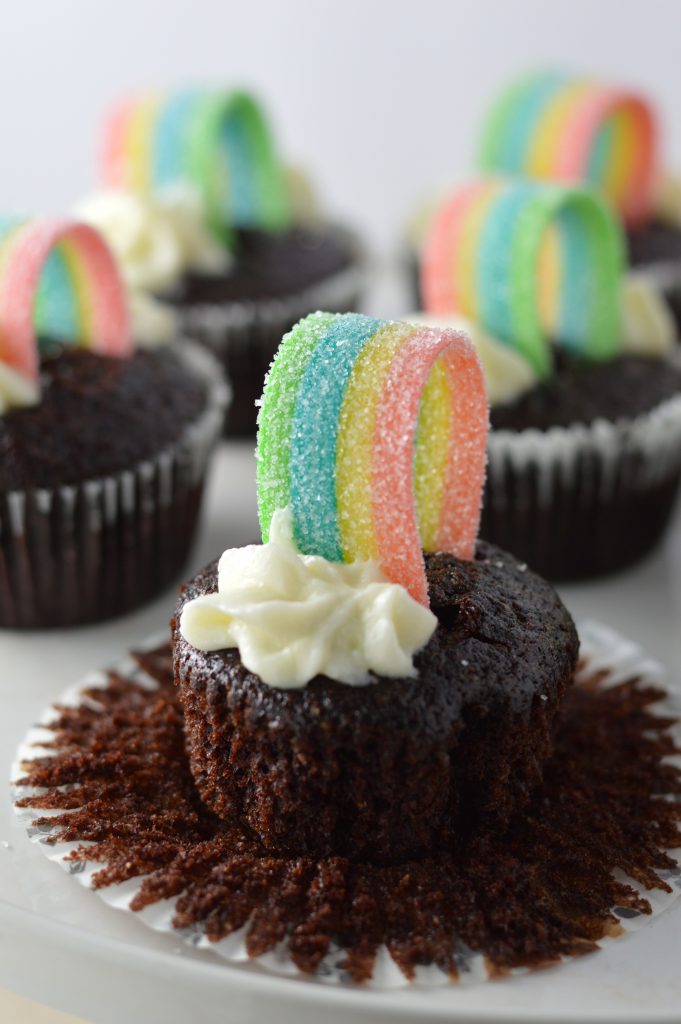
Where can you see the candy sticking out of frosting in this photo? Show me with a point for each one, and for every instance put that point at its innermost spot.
(58, 279)
(554, 127)
(218, 142)
(373, 434)
(530, 262)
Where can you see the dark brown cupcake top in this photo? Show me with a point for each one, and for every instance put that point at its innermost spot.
(268, 265)
(97, 415)
(654, 242)
(504, 639)
(582, 390)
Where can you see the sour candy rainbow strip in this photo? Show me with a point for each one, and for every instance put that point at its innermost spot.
(550, 126)
(58, 278)
(218, 142)
(373, 433)
(530, 262)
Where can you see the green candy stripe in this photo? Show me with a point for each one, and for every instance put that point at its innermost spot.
(275, 419)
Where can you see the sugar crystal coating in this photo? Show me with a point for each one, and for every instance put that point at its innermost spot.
(373, 433)
(530, 262)
(58, 273)
(552, 126)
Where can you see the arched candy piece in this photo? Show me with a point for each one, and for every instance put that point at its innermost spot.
(65, 267)
(373, 433)
(219, 142)
(531, 263)
(554, 127)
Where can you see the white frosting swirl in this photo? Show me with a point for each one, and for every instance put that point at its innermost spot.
(296, 616)
(155, 240)
(153, 322)
(303, 199)
(648, 327)
(507, 373)
(666, 197)
(16, 390)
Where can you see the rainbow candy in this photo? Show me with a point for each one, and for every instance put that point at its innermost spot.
(219, 142)
(58, 278)
(529, 262)
(373, 433)
(550, 126)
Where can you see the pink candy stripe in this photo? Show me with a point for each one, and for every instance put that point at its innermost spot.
(462, 497)
(395, 520)
(105, 294)
(438, 282)
(577, 139)
(113, 158)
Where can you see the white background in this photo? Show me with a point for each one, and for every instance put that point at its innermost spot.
(379, 99)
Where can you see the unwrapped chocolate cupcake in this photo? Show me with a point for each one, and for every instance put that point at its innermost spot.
(585, 447)
(103, 446)
(201, 212)
(564, 128)
(342, 694)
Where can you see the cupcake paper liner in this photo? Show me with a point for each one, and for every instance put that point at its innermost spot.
(89, 551)
(582, 500)
(244, 335)
(607, 660)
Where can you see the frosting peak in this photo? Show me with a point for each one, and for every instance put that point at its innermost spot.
(155, 240)
(296, 616)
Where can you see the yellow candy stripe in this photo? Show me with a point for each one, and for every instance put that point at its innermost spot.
(465, 253)
(81, 291)
(549, 277)
(138, 143)
(356, 440)
(544, 145)
(432, 454)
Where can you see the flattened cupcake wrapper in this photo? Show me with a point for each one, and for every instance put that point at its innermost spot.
(89, 551)
(244, 335)
(583, 500)
(605, 656)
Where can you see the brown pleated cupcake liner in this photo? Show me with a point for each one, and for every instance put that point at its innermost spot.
(90, 551)
(545, 891)
(582, 501)
(244, 336)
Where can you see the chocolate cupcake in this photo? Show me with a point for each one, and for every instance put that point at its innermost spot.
(561, 128)
(585, 459)
(402, 767)
(103, 448)
(373, 708)
(240, 250)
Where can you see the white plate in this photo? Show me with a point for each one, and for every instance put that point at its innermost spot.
(59, 945)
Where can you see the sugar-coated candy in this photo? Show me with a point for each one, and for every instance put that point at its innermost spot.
(555, 127)
(58, 278)
(215, 140)
(531, 262)
(373, 433)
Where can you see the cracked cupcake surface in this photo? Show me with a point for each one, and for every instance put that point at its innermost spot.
(399, 767)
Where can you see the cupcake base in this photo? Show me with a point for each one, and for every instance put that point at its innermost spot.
(86, 552)
(400, 767)
(116, 777)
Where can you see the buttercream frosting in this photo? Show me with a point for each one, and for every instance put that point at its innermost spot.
(295, 616)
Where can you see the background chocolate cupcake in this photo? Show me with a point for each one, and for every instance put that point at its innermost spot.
(584, 464)
(103, 448)
(558, 127)
(252, 253)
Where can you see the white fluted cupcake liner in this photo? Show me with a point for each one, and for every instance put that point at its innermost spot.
(88, 551)
(604, 655)
(576, 502)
